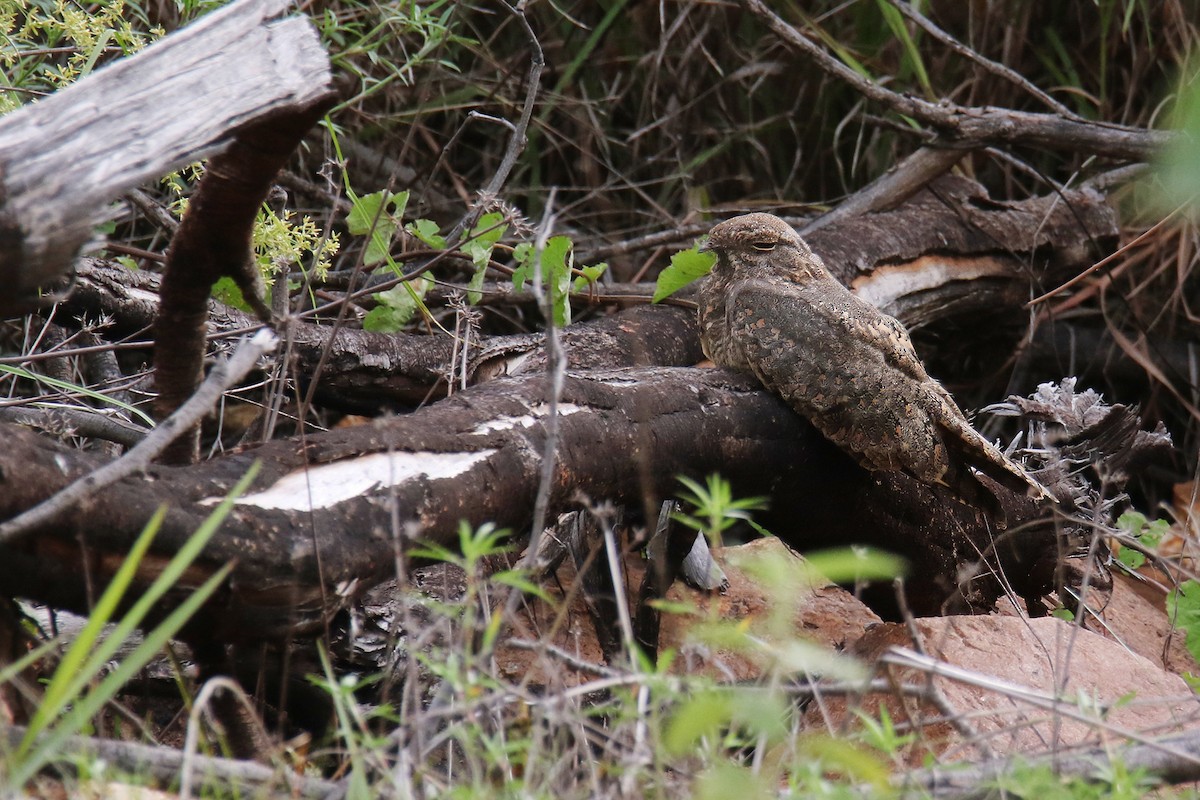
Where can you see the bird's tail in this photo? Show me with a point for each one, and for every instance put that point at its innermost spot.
(988, 459)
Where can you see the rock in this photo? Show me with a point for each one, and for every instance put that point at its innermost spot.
(1136, 616)
(1094, 677)
(825, 615)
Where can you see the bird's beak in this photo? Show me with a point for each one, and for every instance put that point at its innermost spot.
(706, 247)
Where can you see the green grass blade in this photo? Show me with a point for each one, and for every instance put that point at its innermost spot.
(584, 54)
(17, 667)
(51, 744)
(71, 388)
(88, 654)
(895, 21)
(71, 674)
(168, 578)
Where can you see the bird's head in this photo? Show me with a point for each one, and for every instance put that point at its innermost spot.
(759, 242)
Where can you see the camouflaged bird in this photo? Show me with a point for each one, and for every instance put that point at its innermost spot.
(771, 308)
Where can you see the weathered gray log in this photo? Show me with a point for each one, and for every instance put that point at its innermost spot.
(64, 158)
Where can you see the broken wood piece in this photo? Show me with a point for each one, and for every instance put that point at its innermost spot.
(64, 158)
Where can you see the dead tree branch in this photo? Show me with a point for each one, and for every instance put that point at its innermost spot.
(222, 377)
(973, 127)
(213, 242)
(948, 250)
(165, 763)
(66, 157)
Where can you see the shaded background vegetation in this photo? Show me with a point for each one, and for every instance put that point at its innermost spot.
(653, 119)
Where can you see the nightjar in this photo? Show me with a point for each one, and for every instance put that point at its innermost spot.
(771, 308)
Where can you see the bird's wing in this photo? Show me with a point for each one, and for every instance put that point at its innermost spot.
(842, 319)
(793, 343)
(890, 334)
(838, 373)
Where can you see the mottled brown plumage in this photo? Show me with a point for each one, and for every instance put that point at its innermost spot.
(771, 308)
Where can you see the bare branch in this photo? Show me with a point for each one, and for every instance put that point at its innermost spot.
(993, 67)
(219, 379)
(978, 126)
(165, 763)
(893, 187)
(518, 139)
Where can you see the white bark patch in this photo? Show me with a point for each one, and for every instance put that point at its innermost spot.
(325, 485)
(888, 284)
(515, 364)
(536, 414)
(142, 295)
(606, 378)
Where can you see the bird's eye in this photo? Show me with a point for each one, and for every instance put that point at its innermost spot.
(764, 247)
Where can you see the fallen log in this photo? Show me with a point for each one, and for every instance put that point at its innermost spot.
(335, 509)
(328, 514)
(366, 369)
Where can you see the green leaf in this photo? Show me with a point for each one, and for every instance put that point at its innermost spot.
(477, 544)
(841, 756)
(475, 285)
(703, 715)
(852, 564)
(519, 581)
(370, 210)
(1132, 522)
(377, 214)
(686, 609)
(881, 733)
(397, 306)
(490, 228)
(588, 278)
(1149, 534)
(686, 266)
(384, 319)
(557, 259)
(226, 291)
(427, 231)
(556, 262)
(523, 255)
(479, 247)
(1131, 558)
(714, 502)
(1183, 608)
(723, 780)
